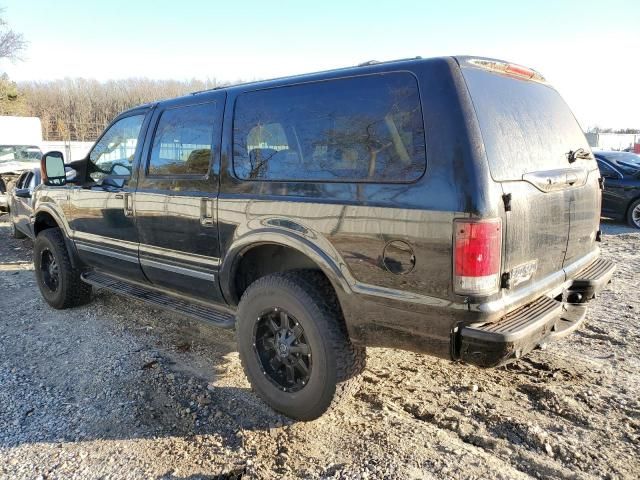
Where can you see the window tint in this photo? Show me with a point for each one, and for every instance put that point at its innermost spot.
(113, 154)
(182, 142)
(365, 129)
(526, 126)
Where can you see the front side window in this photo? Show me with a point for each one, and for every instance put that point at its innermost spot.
(114, 153)
(362, 129)
(182, 142)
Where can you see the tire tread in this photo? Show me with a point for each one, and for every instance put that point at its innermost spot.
(350, 358)
(77, 292)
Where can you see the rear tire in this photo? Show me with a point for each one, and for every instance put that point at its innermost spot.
(633, 214)
(324, 362)
(59, 282)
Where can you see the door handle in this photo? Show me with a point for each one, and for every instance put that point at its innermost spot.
(206, 212)
(119, 196)
(128, 204)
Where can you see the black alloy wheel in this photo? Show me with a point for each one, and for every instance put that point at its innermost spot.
(50, 270)
(59, 282)
(282, 350)
(294, 345)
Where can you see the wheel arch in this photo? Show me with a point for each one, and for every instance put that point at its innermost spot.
(295, 250)
(45, 218)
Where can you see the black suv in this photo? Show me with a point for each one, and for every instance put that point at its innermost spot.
(447, 206)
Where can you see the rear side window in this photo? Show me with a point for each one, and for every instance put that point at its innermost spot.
(526, 126)
(182, 141)
(362, 129)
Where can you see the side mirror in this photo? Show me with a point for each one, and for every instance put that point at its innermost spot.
(52, 169)
(23, 193)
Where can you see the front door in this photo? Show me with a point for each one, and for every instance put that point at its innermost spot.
(176, 198)
(101, 208)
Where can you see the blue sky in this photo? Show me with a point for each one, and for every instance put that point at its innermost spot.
(589, 50)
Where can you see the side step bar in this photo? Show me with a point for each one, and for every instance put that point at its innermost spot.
(592, 279)
(533, 325)
(511, 337)
(190, 308)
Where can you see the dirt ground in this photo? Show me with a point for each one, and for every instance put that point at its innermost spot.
(116, 389)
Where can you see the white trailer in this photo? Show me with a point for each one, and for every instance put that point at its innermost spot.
(20, 140)
(20, 131)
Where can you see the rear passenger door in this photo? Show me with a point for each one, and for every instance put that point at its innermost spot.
(176, 199)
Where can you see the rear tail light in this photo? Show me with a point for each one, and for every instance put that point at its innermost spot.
(476, 256)
(519, 71)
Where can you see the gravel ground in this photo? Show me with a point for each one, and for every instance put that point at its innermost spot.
(116, 389)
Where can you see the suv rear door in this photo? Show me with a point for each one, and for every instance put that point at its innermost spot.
(528, 131)
(176, 199)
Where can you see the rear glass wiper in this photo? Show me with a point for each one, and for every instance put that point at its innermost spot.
(578, 154)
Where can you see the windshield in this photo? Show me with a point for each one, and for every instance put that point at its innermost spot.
(19, 153)
(628, 163)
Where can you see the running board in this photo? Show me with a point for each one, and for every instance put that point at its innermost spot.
(189, 308)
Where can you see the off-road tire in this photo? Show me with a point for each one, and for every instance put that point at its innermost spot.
(630, 213)
(71, 290)
(337, 363)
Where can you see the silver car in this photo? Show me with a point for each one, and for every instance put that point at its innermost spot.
(20, 201)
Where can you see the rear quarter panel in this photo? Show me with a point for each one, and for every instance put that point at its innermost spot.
(353, 223)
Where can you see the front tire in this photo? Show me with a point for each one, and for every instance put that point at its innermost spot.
(294, 345)
(59, 282)
(633, 214)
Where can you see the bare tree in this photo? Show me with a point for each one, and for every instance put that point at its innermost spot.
(80, 108)
(12, 44)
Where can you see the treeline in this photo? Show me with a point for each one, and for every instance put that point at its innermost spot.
(79, 109)
(612, 130)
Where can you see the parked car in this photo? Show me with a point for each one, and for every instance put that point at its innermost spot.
(621, 195)
(21, 204)
(447, 206)
(14, 160)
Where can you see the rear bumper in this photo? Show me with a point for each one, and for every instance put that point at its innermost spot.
(535, 324)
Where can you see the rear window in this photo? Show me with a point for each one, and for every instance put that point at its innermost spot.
(362, 129)
(525, 125)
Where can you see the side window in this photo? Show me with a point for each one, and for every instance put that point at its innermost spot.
(32, 183)
(606, 171)
(22, 180)
(182, 142)
(113, 154)
(362, 129)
